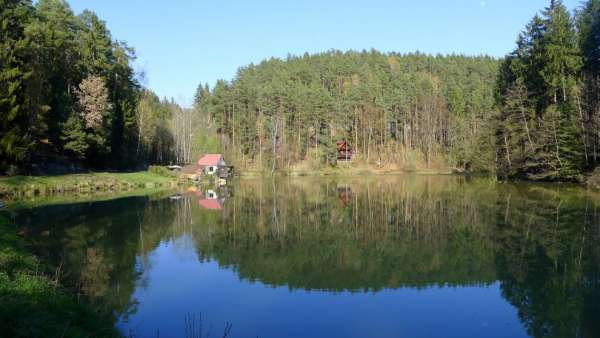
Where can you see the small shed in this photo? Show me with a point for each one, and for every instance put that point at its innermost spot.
(344, 151)
(211, 163)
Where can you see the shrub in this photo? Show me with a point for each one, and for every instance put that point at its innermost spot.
(160, 170)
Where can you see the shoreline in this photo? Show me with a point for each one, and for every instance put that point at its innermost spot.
(34, 186)
(90, 186)
(45, 185)
(345, 171)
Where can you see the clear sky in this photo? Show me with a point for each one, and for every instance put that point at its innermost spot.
(181, 43)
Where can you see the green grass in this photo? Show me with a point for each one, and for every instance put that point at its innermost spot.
(35, 305)
(348, 170)
(98, 196)
(81, 183)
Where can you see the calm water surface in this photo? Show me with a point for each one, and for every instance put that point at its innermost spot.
(406, 256)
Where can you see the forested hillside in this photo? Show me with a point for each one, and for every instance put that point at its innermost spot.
(532, 115)
(401, 110)
(69, 97)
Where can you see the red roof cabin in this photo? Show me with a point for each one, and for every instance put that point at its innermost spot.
(209, 164)
(344, 150)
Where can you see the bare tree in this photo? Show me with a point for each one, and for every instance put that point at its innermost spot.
(92, 95)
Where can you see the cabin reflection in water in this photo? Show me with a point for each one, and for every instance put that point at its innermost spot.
(344, 195)
(381, 237)
(213, 199)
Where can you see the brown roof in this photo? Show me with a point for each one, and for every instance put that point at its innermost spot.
(343, 146)
(210, 159)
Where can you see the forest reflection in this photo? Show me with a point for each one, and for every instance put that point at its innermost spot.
(347, 234)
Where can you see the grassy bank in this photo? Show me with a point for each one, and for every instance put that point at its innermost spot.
(314, 165)
(342, 171)
(18, 186)
(34, 304)
(72, 198)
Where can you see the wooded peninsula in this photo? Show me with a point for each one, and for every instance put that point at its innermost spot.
(71, 101)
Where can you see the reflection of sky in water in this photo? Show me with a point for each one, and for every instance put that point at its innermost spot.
(178, 284)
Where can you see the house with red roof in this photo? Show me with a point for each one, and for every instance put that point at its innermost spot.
(210, 164)
(345, 151)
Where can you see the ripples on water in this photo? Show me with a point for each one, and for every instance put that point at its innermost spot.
(409, 256)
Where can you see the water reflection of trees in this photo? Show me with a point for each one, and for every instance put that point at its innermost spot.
(548, 261)
(351, 235)
(390, 234)
(99, 248)
(539, 241)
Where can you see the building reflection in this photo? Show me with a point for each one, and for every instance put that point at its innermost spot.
(213, 198)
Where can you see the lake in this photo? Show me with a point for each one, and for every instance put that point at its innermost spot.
(392, 256)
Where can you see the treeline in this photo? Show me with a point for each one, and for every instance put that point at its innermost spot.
(532, 115)
(70, 100)
(69, 97)
(394, 109)
(548, 97)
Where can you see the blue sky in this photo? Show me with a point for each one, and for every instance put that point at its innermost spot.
(181, 43)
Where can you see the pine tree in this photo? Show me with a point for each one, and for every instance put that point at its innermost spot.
(74, 137)
(561, 59)
(539, 134)
(588, 24)
(14, 137)
(561, 66)
(202, 93)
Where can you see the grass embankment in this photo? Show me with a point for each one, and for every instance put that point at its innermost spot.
(344, 169)
(17, 186)
(33, 304)
(388, 164)
(98, 196)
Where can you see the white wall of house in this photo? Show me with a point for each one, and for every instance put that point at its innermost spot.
(211, 169)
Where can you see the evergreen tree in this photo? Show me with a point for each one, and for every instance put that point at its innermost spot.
(538, 133)
(588, 24)
(14, 137)
(561, 60)
(74, 137)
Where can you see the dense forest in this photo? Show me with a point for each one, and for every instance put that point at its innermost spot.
(532, 115)
(70, 100)
(394, 109)
(69, 97)
(547, 94)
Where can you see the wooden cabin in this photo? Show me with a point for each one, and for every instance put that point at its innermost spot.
(344, 151)
(210, 164)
